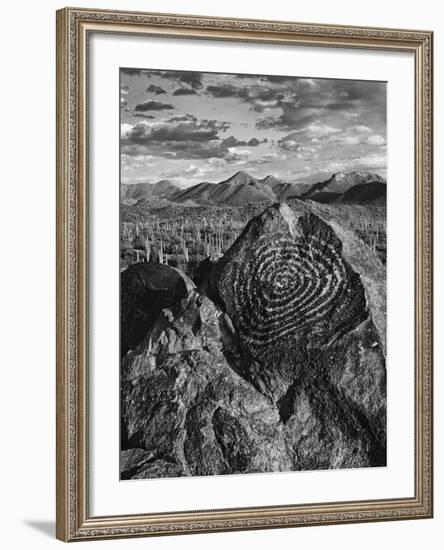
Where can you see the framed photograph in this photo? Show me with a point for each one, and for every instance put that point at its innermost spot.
(244, 274)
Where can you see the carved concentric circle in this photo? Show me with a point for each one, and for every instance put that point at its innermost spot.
(286, 286)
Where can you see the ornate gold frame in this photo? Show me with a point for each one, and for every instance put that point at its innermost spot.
(73, 519)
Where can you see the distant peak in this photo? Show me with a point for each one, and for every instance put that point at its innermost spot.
(240, 177)
(241, 173)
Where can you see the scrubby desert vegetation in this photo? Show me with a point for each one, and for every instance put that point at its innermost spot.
(368, 221)
(180, 229)
(183, 236)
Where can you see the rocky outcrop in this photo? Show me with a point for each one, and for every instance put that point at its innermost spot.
(185, 411)
(276, 362)
(147, 288)
(307, 300)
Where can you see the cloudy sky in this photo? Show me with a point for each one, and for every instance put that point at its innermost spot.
(192, 127)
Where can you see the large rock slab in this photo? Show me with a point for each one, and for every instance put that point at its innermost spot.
(307, 301)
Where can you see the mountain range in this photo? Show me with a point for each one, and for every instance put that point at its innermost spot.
(132, 193)
(242, 189)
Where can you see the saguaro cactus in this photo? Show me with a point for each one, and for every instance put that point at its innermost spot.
(147, 249)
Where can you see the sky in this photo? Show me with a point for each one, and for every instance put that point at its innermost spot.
(191, 127)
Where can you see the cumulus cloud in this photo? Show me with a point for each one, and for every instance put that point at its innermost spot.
(371, 162)
(261, 105)
(257, 120)
(143, 115)
(319, 135)
(125, 128)
(360, 129)
(302, 101)
(157, 90)
(376, 139)
(225, 90)
(151, 105)
(217, 162)
(254, 142)
(274, 156)
(186, 78)
(235, 154)
(318, 130)
(267, 122)
(189, 78)
(183, 118)
(259, 96)
(305, 142)
(185, 91)
(183, 136)
(176, 129)
(299, 149)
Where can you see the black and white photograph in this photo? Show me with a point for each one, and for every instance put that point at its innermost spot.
(252, 273)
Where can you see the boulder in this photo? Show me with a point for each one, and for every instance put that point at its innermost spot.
(146, 289)
(204, 267)
(186, 410)
(307, 301)
(140, 464)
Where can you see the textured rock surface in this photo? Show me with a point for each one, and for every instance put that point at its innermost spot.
(311, 331)
(146, 288)
(186, 411)
(275, 363)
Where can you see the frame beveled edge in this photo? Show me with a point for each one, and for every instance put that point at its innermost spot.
(73, 521)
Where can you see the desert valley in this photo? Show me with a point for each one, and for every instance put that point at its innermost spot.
(181, 227)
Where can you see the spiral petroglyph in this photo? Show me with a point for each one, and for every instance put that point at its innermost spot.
(286, 286)
(291, 285)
